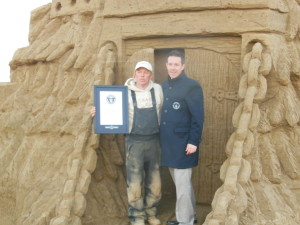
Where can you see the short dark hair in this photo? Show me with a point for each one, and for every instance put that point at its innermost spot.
(178, 53)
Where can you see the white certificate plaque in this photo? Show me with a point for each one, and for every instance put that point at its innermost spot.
(111, 109)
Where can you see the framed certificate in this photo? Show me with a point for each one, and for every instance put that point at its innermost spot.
(111, 104)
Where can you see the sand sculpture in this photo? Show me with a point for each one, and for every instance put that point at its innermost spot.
(246, 54)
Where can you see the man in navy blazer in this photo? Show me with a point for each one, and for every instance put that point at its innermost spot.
(180, 134)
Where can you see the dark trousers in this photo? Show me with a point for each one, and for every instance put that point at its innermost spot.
(143, 176)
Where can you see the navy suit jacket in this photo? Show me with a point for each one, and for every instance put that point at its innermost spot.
(182, 119)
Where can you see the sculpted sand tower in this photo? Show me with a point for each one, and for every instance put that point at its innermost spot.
(54, 170)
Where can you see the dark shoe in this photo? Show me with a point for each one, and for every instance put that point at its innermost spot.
(174, 222)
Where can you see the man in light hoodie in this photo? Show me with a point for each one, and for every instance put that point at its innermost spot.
(142, 146)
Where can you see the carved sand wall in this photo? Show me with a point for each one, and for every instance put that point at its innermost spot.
(48, 151)
(54, 170)
(261, 174)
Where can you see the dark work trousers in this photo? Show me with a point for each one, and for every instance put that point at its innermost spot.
(142, 164)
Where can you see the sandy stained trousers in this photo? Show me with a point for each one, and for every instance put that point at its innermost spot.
(185, 197)
(143, 176)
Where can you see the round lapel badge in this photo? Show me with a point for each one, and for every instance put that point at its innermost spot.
(176, 105)
(111, 99)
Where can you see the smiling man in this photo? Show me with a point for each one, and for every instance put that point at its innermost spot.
(180, 134)
(142, 146)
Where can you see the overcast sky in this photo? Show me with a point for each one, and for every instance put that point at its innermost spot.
(14, 27)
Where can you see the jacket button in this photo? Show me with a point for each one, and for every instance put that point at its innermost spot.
(166, 111)
(167, 99)
(164, 123)
(170, 88)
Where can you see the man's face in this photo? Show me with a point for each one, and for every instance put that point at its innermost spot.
(143, 77)
(174, 66)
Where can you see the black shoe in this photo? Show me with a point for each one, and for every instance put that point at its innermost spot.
(174, 222)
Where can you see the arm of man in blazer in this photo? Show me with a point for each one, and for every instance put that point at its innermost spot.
(195, 103)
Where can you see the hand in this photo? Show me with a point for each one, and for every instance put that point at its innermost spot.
(190, 149)
(93, 111)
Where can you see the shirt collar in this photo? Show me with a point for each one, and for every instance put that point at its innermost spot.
(176, 79)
